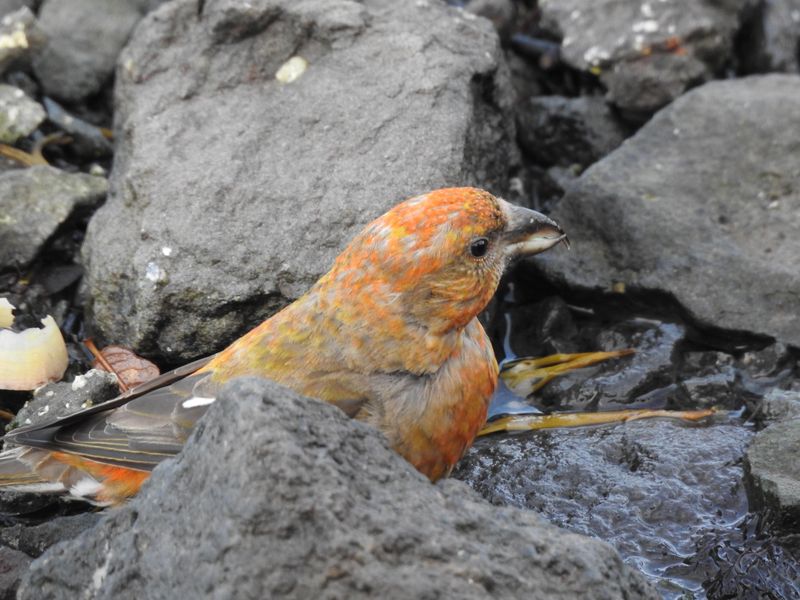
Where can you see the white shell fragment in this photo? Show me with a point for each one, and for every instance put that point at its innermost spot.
(6, 318)
(292, 69)
(32, 357)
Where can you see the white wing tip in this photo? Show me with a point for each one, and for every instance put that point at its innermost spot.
(196, 401)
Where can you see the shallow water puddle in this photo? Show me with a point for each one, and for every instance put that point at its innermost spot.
(668, 495)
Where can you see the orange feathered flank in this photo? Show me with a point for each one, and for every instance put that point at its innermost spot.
(389, 335)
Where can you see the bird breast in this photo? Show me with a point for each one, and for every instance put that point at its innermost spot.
(431, 420)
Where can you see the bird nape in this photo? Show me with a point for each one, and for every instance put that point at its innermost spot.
(390, 335)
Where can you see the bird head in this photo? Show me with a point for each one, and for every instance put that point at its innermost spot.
(439, 257)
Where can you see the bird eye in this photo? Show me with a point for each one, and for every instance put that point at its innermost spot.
(479, 247)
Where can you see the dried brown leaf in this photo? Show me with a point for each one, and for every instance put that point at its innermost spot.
(132, 370)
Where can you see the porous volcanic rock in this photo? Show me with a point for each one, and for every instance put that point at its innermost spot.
(60, 399)
(279, 495)
(232, 191)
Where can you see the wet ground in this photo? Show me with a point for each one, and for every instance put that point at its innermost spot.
(667, 494)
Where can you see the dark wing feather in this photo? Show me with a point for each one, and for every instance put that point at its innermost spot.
(137, 429)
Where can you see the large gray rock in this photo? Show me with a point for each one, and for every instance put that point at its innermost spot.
(84, 38)
(702, 203)
(35, 202)
(773, 473)
(278, 495)
(646, 53)
(232, 192)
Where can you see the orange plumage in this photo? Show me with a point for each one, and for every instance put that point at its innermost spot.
(390, 334)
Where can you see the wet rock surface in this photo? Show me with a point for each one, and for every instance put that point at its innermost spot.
(625, 382)
(664, 506)
(646, 53)
(35, 202)
(288, 172)
(302, 501)
(687, 208)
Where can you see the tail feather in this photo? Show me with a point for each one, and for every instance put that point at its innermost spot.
(16, 474)
(25, 469)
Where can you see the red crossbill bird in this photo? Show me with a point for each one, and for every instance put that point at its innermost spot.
(390, 335)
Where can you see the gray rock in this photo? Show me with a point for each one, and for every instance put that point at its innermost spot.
(502, 13)
(23, 503)
(35, 539)
(646, 53)
(84, 40)
(19, 115)
(564, 177)
(651, 488)
(34, 202)
(20, 35)
(237, 191)
(773, 473)
(9, 6)
(706, 362)
(702, 203)
(767, 361)
(278, 495)
(779, 405)
(771, 42)
(13, 564)
(713, 390)
(554, 130)
(60, 399)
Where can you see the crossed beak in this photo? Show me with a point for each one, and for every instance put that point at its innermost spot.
(529, 232)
